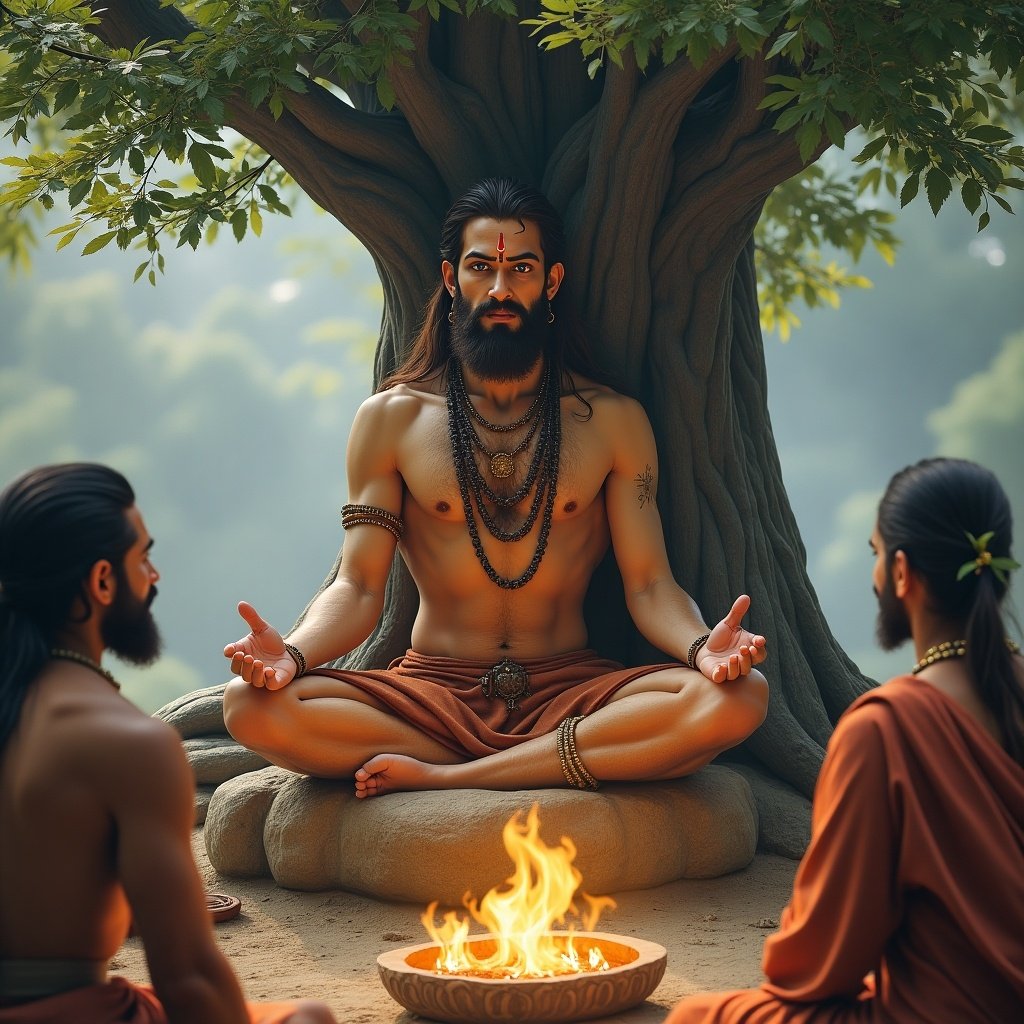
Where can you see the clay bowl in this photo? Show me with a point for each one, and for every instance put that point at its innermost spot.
(636, 969)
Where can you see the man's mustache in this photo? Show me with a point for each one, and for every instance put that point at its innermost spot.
(499, 306)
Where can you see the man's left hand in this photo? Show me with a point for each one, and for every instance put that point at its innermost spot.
(731, 651)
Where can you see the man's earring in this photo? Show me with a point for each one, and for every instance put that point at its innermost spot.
(451, 313)
(551, 314)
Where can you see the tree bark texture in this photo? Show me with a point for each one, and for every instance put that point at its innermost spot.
(661, 177)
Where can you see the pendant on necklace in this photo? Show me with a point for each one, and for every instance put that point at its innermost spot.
(502, 465)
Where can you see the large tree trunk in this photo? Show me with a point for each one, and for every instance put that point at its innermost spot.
(661, 178)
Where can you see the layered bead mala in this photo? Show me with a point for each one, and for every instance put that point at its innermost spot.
(541, 475)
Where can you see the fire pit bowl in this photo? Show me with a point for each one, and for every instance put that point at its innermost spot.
(636, 968)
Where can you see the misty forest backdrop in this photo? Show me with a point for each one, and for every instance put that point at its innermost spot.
(226, 394)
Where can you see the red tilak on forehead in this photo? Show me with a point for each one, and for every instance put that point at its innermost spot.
(501, 246)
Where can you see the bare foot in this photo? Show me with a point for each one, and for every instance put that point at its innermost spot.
(391, 773)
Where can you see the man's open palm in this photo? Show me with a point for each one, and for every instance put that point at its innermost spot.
(731, 650)
(260, 657)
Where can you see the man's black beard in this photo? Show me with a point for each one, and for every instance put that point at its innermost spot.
(892, 627)
(129, 629)
(502, 353)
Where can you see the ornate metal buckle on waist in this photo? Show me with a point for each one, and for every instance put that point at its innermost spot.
(507, 681)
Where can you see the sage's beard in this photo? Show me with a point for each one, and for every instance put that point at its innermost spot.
(501, 352)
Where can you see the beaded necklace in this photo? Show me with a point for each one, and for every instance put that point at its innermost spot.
(500, 428)
(947, 649)
(65, 655)
(952, 649)
(475, 491)
(501, 463)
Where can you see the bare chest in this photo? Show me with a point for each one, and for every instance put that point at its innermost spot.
(426, 462)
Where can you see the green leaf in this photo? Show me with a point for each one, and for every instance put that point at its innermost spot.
(988, 133)
(983, 221)
(788, 118)
(78, 192)
(67, 239)
(938, 186)
(909, 190)
(807, 138)
(140, 212)
(255, 220)
(98, 243)
(835, 129)
(202, 164)
(819, 32)
(873, 148)
(780, 44)
(970, 192)
(385, 93)
(66, 95)
(140, 270)
(239, 222)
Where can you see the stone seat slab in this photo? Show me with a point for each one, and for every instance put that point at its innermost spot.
(313, 834)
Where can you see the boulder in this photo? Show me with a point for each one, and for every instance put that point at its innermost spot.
(215, 759)
(235, 819)
(202, 805)
(314, 834)
(199, 713)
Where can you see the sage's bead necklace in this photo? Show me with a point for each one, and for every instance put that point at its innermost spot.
(543, 473)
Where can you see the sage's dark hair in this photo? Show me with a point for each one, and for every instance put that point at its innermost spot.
(56, 522)
(501, 199)
(927, 511)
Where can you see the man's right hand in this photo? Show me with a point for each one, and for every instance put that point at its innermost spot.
(260, 657)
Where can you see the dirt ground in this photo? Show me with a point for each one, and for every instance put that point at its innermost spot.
(325, 945)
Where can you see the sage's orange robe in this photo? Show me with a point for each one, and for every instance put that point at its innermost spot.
(908, 905)
(443, 697)
(117, 1001)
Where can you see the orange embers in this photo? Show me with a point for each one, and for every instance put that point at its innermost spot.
(521, 916)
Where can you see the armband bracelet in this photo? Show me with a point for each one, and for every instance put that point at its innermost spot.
(298, 657)
(694, 648)
(372, 515)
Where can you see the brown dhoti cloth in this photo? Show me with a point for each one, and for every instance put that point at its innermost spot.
(443, 697)
(116, 1001)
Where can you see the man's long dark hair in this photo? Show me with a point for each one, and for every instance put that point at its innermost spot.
(56, 522)
(500, 199)
(927, 511)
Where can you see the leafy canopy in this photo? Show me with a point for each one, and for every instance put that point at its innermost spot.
(134, 140)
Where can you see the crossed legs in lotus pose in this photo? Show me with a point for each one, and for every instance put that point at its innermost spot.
(661, 726)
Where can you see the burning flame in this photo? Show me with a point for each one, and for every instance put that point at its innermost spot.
(538, 895)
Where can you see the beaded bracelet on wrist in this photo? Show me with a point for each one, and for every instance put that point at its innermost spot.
(371, 515)
(298, 657)
(697, 644)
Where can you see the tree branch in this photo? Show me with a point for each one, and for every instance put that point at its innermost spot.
(725, 127)
(567, 168)
(380, 140)
(128, 22)
(733, 171)
(443, 116)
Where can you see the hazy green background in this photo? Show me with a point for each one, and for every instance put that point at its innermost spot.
(226, 395)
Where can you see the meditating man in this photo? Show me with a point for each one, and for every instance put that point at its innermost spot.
(96, 798)
(908, 906)
(502, 470)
